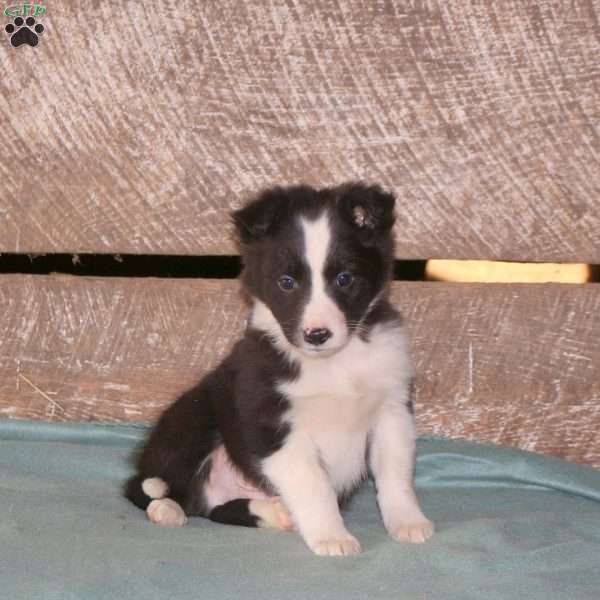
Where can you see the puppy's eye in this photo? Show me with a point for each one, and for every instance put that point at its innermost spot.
(286, 283)
(344, 279)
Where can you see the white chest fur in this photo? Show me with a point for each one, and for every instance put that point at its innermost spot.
(335, 400)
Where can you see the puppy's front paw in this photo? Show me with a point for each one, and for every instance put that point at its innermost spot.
(415, 531)
(343, 545)
(166, 512)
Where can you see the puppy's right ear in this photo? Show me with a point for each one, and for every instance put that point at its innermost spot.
(260, 216)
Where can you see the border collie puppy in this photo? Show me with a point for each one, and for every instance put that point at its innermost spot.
(314, 394)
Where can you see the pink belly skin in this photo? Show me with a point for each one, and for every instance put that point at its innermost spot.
(226, 483)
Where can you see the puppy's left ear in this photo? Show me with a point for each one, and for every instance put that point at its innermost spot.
(260, 216)
(367, 207)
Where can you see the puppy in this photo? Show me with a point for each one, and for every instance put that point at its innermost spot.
(314, 395)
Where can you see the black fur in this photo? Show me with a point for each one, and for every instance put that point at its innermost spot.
(236, 405)
(234, 512)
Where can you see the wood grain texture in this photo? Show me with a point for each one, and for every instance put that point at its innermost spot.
(512, 364)
(136, 126)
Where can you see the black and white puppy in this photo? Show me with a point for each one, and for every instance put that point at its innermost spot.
(313, 395)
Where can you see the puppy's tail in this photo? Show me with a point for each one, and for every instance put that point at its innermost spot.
(142, 490)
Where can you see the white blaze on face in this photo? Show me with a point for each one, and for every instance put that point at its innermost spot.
(321, 312)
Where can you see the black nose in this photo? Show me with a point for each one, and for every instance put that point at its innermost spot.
(316, 337)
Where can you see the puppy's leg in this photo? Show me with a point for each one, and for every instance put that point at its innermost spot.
(306, 491)
(392, 457)
(253, 513)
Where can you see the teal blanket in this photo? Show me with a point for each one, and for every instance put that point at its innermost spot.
(509, 525)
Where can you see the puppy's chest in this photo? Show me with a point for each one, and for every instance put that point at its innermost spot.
(335, 401)
(344, 393)
(322, 402)
(336, 415)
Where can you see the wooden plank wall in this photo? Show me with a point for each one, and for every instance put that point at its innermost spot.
(132, 125)
(514, 364)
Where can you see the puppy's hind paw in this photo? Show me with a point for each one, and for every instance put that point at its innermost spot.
(272, 513)
(166, 512)
(284, 518)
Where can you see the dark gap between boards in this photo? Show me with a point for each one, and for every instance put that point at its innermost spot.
(171, 266)
(148, 265)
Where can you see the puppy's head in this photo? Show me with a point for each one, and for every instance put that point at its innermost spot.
(316, 261)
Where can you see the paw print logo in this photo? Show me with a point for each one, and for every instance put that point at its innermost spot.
(24, 31)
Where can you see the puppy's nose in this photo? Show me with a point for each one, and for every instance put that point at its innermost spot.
(316, 337)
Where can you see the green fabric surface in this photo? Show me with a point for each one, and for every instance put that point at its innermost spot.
(509, 525)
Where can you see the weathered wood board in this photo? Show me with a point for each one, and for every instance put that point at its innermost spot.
(134, 127)
(513, 364)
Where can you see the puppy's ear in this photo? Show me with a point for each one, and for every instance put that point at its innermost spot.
(367, 207)
(260, 216)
